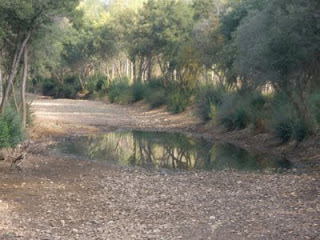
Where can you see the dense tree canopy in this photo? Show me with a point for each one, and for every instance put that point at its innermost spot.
(240, 45)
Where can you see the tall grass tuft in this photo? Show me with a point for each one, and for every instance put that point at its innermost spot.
(207, 99)
(11, 132)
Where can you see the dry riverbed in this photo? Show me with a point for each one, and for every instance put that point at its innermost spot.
(56, 197)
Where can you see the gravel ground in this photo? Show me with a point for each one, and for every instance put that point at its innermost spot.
(58, 197)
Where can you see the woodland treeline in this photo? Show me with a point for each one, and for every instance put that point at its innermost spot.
(242, 63)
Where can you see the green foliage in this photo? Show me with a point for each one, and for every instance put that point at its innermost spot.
(239, 111)
(97, 83)
(283, 117)
(156, 97)
(138, 91)
(285, 122)
(119, 92)
(313, 101)
(300, 131)
(48, 87)
(178, 101)
(4, 134)
(207, 98)
(11, 132)
(68, 89)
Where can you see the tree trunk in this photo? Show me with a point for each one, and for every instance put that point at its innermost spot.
(1, 86)
(13, 92)
(134, 70)
(149, 73)
(140, 69)
(23, 87)
(127, 68)
(112, 72)
(131, 72)
(81, 83)
(206, 75)
(13, 73)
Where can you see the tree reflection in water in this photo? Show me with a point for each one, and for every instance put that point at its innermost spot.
(169, 150)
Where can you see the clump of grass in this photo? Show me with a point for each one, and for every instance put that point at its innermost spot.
(207, 99)
(11, 132)
(68, 89)
(97, 84)
(119, 92)
(238, 111)
(138, 91)
(156, 97)
(178, 101)
(285, 122)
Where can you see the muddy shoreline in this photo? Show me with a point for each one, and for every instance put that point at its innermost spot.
(305, 155)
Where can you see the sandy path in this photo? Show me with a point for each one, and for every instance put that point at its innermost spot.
(62, 198)
(73, 115)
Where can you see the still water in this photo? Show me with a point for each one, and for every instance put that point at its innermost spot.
(168, 150)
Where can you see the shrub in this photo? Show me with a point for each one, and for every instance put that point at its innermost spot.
(300, 131)
(68, 89)
(178, 101)
(283, 118)
(155, 83)
(4, 134)
(97, 83)
(285, 122)
(232, 113)
(119, 92)
(138, 91)
(10, 129)
(313, 102)
(239, 111)
(207, 98)
(156, 97)
(48, 88)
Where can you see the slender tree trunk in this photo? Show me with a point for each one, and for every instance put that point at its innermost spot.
(131, 71)
(149, 73)
(23, 87)
(81, 83)
(15, 99)
(108, 73)
(112, 71)
(140, 69)
(14, 68)
(127, 67)
(1, 89)
(206, 77)
(134, 70)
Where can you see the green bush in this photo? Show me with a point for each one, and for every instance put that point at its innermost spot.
(4, 134)
(238, 111)
(68, 89)
(285, 122)
(119, 92)
(97, 83)
(155, 83)
(156, 97)
(48, 87)
(232, 113)
(138, 91)
(207, 98)
(178, 101)
(313, 102)
(300, 131)
(11, 132)
(283, 118)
